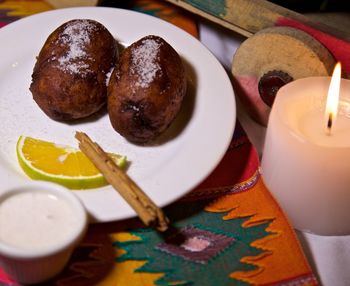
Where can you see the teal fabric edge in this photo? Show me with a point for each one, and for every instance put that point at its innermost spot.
(213, 7)
(126, 245)
(169, 274)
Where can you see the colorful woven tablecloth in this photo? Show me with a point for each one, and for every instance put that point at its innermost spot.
(228, 231)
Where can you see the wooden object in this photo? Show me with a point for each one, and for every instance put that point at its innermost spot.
(72, 3)
(146, 209)
(272, 58)
(247, 17)
(282, 46)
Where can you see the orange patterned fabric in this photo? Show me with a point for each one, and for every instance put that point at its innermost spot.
(11, 10)
(279, 247)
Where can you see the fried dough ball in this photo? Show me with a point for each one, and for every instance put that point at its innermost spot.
(146, 89)
(69, 77)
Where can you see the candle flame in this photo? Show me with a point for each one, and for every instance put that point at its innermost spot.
(333, 98)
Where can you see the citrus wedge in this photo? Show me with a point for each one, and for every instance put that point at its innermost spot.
(42, 160)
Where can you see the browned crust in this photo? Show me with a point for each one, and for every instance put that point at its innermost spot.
(67, 95)
(141, 113)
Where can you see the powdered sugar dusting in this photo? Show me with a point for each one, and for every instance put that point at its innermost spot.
(144, 62)
(75, 36)
(108, 75)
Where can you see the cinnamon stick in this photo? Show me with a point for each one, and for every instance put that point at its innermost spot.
(146, 209)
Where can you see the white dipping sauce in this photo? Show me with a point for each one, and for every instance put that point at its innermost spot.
(36, 220)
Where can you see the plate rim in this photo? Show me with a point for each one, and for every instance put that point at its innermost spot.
(83, 10)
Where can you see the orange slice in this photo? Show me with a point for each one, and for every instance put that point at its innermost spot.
(42, 160)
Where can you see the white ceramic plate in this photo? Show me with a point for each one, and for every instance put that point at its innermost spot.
(182, 157)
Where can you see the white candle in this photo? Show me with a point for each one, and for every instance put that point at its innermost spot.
(306, 169)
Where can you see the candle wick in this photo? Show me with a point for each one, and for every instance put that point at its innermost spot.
(329, 123)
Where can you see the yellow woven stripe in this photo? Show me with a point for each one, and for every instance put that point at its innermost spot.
(123, 272)
(24, 8)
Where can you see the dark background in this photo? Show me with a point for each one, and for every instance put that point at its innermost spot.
(296, 5)
(314, 5)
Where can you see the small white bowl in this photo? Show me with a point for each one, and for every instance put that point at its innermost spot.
(32, 261)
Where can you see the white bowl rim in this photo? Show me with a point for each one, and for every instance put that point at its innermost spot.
(72, 239)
